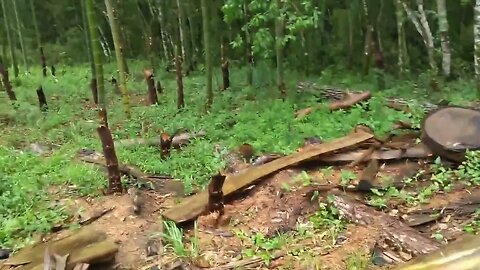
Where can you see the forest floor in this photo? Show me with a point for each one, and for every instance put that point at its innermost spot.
(277, 224)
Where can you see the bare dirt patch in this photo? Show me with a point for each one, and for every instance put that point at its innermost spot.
(130, 231)
(276, 206)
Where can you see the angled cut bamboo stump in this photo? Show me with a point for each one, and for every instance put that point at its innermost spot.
(193, 206)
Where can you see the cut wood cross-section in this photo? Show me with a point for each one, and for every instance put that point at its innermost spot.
(450, 131)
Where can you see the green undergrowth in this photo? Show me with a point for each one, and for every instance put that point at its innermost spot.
(441, 179)
(323, 228)
(243, 114)
(28, 202)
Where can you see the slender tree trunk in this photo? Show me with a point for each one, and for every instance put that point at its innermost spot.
(6, 83)
(177, 50)
(87, 41)
(224, 64)
(42, 99)
(164, 33)
(117, 42)
(43, 60)
(154, 11)
(97, 59)
(476, 30)
(173, 45)
(279, 37)
(4, 50)
(401, 43)
(367, 51)
(306, 55)
(20, 35)
(444, 37)
(181, 27)
(428, 34)
(35, 23)
(193, 46)
(94, 90)
(2, 87)
(351, 29)
(248, 46)
(179, 76)
(164, 44)
(114, 184)
(13, 57)
(147, 34)
(104, 43)
(378, 27)
(421, 24)
(208, 52)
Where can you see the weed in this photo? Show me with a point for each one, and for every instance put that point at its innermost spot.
(285, 187)
(173, 236)
(328, 217)
(438, 236)
(258, 245)
(306, 179)
(357, 261)
(195, 242)
(346, 177)
(470, 169)
(377, 200)
(326, 172)
(473, 227)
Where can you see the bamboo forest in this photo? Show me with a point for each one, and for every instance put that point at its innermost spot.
(240, 134)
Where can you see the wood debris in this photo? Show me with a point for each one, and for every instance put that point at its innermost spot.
(193, 206)
(84, 247)
(415, 152)
(348, 100)
(178, 140)
(396, 233)
(162, 184)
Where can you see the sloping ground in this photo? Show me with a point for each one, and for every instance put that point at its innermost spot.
(286, 221)
(282, 222)
(278, 216)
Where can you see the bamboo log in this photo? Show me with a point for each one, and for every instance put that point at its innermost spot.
(397, 233)
(463, 254)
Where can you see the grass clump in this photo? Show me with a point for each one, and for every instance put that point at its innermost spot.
(175, 240)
